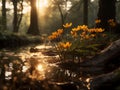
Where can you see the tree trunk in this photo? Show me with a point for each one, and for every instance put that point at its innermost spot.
(15, 19)
(85, 12)
(106, 81)
(99, 63)
(62, 16)
(33, 29)
(106, 11)
(17, 16)
(4, 25)
(20, 15)
(109, 53)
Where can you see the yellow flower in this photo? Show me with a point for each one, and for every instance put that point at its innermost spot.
(91, 30)
(104, 35)
(67, 25)
(99, 30)
(97, 21)
(83, 33)
(51, 37)
(112, 22)
(92, 35)
(74, 34)
(65, 45)
(84, 27)
(60, 31)
(76, 29)
(87, 37)
(55, 35)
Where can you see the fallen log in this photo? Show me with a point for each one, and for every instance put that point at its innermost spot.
(106, 81)
(106, 55)
(106, 61)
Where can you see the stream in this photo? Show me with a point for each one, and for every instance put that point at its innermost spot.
(38, 63)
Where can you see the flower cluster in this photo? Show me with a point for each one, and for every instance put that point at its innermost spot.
(112, 22)
(55, 34)
(84, 32)
(75, 38)
(97, 21)
(64, 45)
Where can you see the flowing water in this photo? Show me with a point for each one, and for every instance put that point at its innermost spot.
(38, 63)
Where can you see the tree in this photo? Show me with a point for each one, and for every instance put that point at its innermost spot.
(33, 28)
(17, 17)
(4, 14)
(85, 11)
(106, 12)
(62, 7)
(65, 9)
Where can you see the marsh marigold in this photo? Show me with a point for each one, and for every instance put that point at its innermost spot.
(112, 22)
(65, 45)
(67, 25)
(97, 21)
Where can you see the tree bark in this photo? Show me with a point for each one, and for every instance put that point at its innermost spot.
(109, 80)
(106, 81)
(33, 29)
(4, 23)
(109, 53)
(107, 10)
(15, 20)
(85, 12)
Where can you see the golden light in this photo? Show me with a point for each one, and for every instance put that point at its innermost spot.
(26, 8)
(92, 0)
(42, 4)
(40, 67)
(39, 73)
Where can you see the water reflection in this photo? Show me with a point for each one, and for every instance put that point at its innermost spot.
(40, 65)
(36, 66)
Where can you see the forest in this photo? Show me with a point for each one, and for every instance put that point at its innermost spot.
(59, 45)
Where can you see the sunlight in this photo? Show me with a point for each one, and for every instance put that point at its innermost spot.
(26, 8)
(9, 5)
(40, 67)
(69, 5)
(8, 75)
(42, 5)
(92, 0)
(41, 70)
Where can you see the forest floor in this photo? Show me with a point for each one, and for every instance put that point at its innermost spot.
(68, 71)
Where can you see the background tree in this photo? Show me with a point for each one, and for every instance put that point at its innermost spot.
(62, 7)
(33, 28)
(4, 25)
(107, 11)
(17, 16)
(68, 10)
(85, 11)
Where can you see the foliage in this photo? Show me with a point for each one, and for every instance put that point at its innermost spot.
(76, 42)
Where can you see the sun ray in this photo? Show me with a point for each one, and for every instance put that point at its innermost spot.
(41, 4)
